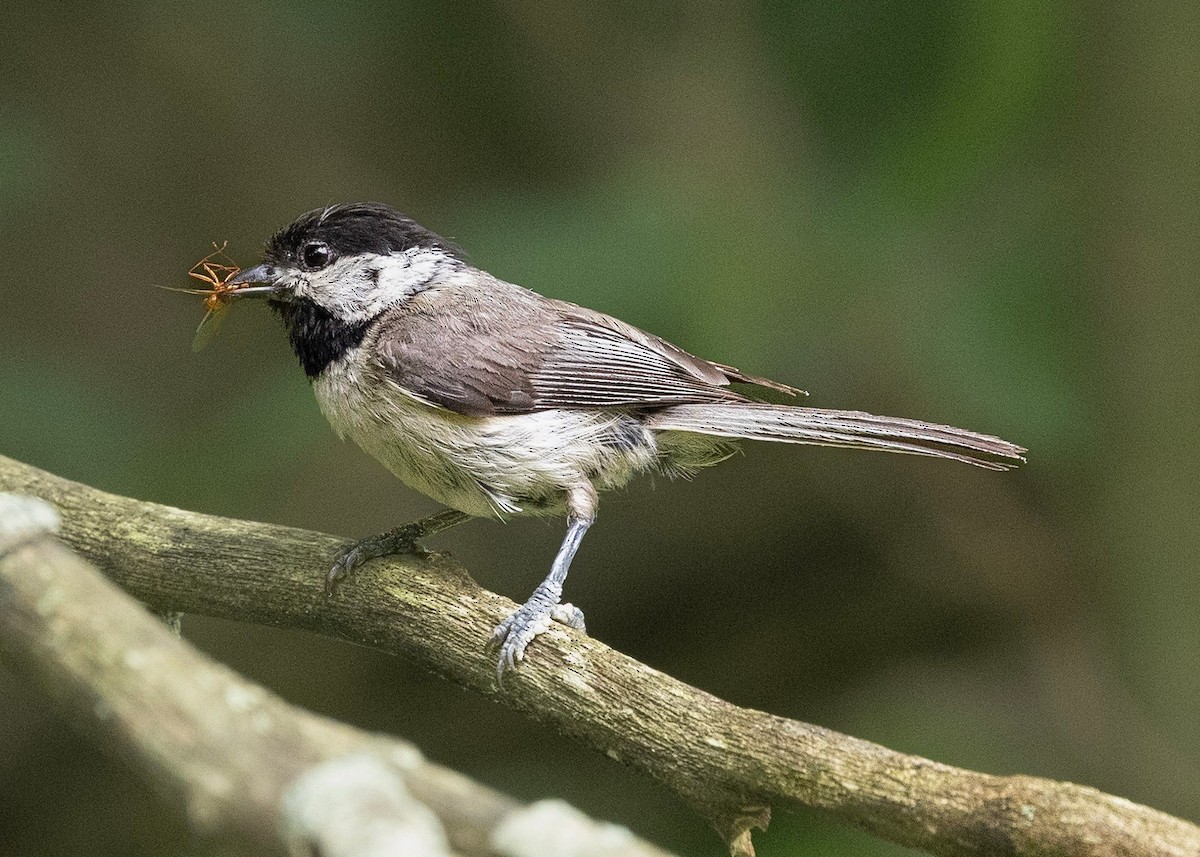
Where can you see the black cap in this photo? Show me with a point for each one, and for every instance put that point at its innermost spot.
(353, 228)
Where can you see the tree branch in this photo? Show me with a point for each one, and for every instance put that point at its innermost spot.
(731, 763)
(253, 774)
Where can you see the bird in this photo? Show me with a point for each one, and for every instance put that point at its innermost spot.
(499, 402)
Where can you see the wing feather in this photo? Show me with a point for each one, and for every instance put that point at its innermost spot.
(595, 365)
(513, 352)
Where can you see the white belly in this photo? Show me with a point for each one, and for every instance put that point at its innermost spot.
(485, 466)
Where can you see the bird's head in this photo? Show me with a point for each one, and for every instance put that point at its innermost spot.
(352, 261)
(335, 270)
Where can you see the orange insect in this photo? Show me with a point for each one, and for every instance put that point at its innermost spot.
(217, 275)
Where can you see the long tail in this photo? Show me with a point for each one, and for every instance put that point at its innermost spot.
(853, 429)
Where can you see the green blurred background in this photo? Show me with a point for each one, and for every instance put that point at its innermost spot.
(981, 213)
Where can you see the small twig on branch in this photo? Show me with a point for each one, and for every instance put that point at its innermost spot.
(253, 774)
(731, 763)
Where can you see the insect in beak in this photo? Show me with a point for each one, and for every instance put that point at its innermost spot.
(220, 275)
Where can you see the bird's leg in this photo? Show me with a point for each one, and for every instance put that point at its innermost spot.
(403, 539)
(533, 617)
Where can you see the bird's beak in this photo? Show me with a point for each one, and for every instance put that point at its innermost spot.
(261, 281)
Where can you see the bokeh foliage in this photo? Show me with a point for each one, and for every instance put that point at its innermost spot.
(975, 212)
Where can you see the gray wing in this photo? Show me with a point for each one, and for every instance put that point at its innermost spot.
(532, 353)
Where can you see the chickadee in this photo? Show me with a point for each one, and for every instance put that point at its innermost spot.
(497, 401)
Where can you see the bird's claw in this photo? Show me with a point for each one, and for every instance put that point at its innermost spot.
(348, 558)
(344, 562)
(513, 636)
(353, 554)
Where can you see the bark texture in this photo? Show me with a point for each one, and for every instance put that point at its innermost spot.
(253, 774)
(733, 764)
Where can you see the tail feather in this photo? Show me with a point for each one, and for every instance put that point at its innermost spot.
(852, 429)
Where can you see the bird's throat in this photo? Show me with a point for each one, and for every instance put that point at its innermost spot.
(317, 336)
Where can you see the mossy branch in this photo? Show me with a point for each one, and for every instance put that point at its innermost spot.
(252, 774)
(733, 764)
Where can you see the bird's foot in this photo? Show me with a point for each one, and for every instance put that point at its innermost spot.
(515, 633)
(402, 539)
(350, 556)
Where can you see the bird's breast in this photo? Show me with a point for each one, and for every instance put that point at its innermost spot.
(489, 465)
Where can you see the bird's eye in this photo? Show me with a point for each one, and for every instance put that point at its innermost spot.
(316, 255)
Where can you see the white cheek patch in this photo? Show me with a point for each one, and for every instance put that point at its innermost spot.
(402, 275)
(358, 288)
